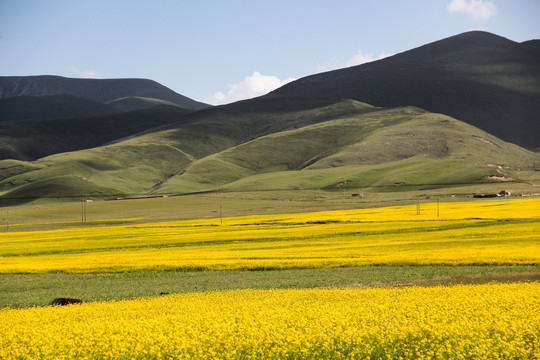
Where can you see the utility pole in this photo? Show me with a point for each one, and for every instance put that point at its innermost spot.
(7, 220)
(221, 214)
(83, 210)
(437, 208)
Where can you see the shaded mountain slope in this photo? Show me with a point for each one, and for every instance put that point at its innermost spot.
(51, 106)
(202, 132)
(44, 115)
(33, 139)
(480, 78)
(131, 103)
(102, 90)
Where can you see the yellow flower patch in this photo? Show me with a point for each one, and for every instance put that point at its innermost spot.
(492, 321)
(474, 233)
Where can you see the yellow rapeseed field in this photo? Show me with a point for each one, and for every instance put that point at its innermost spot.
(483, 232)
(491, 321)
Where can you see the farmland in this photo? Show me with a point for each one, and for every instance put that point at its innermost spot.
(495, 321)
(375, 282)
(387, 210)
(495, 233)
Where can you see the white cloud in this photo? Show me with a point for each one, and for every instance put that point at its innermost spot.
(251, 86)
(358, 59)
(331, 64)
(475, 9)
(87, 74)
(361, 58)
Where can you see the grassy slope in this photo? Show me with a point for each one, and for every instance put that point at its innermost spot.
(110, 171)
(9, 168)
(278, 143)
(405, 146)
(136, 165)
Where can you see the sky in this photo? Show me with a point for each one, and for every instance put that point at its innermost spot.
(223, 51)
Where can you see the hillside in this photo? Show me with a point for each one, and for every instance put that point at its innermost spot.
(50, 107)
(44, 115)
(485, 80)
(34, 139)
(457, 113)
(290, 143)
(131, 103)
(382, 148)
(102, 90)
(139, 164)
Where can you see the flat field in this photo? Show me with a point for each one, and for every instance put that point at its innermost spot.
(360, 283)
(474, 233)
(494, 321)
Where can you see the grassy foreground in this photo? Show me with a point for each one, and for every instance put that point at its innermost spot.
(25, 290)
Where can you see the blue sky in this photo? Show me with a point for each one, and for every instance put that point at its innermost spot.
(223, 51)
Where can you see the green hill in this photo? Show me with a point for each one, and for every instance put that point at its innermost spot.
(324, 145)
(403, 146)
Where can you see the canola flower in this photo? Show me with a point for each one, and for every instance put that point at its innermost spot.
(495, 232)
(490, 321)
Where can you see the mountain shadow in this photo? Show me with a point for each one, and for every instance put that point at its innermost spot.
(50, 107)
(33, 139)
(483, 79)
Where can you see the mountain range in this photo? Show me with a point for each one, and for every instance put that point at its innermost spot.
(457, 112)
(108, 91)
(477, 77)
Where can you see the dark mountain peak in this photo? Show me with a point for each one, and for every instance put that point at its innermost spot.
(102, 90)
(471, 46)
(483, 79)
(477, 37)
